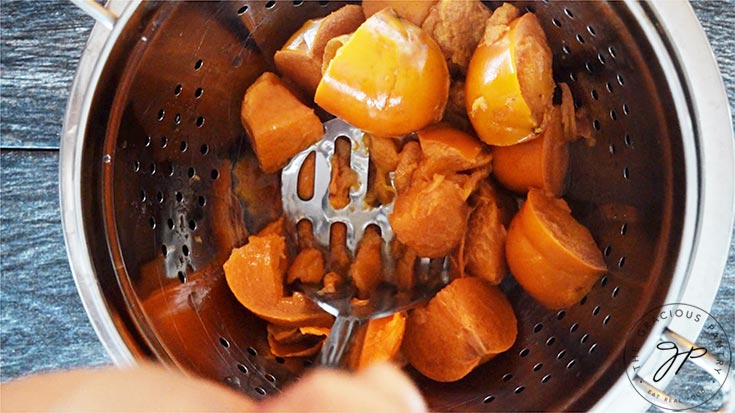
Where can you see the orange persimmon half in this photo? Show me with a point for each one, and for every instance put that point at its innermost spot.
(389, 79)
(254, 273)
(540, 163)
(551, 255)
(509, 83)
(464, 325)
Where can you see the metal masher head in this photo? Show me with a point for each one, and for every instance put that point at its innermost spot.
(357, 215)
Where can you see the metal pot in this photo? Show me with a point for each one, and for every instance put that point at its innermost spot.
(153, 120)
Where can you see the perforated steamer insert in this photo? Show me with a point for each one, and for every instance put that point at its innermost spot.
(153, 127)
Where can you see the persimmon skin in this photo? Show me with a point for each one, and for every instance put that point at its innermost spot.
(551, 255)
(466, 324)
(509, 83)
(540, 163)
(389, 79)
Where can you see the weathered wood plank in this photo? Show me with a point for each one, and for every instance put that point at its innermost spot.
(718, 20)
(41, 44)
(44, 325)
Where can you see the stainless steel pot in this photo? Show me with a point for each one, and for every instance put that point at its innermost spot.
(153, 120)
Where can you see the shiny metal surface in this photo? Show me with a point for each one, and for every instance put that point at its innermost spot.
(357, 215)
(651, 190)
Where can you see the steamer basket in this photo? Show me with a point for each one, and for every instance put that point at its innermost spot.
(153, 126)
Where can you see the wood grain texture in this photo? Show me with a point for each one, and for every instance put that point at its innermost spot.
(41, 44)
(44, 325)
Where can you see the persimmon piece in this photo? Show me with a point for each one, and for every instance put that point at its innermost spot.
(405, 267)
(414, 11)
(260, 193)
(381, 341)
(408, 161)
(300, 58)
(340, 257)
(343, 177)
(484, 249)
(447, 150)
(430, 217)
(307, 175)
(308, 267)
(254, 273)
(540, 163)
(367, 269)
(551, 255)
(389, 79)
(509, 84)
(464, 325)
(304, 234)
(457, 26)
(279, 126)
(455, 114)
(383, 152)
(343, 21)
(295, 342)
(331, 282)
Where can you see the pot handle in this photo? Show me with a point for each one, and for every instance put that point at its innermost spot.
(97, 12)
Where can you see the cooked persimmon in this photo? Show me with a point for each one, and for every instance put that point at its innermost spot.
(367, 269)
(464, 325)
(405, 266)
(509, 82)
(551, 255)
(540, 163)
(295, 341)
(447, 150)
(383, 152)
(254, 273)
(430, 217)
(381, 341)
(455, 114)
(307, 267)
(279, 126)
(307, 175)
(457, 26)
(300, 58)
(408, 161)
(414, 11)
(340, 257)
(389, 78)
(344, 179)
(484, 249)
(331, 282)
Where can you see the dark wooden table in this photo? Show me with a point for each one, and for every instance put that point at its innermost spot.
(42, 323)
